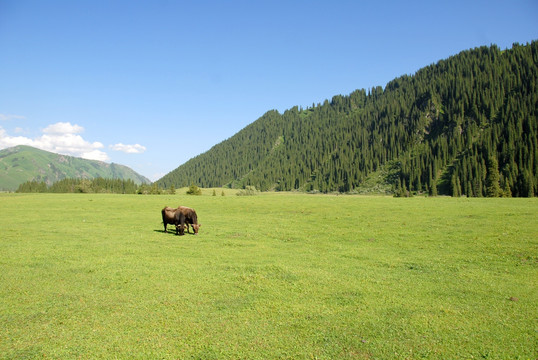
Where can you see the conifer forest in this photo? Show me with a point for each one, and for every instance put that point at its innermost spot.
(464, 126)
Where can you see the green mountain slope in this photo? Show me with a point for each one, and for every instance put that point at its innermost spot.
(24, 163)
(466, 125)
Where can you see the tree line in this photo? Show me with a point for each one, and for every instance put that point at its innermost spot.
(96, 185)
(465, 126)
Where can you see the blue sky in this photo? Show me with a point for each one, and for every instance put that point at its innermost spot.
(151, 84)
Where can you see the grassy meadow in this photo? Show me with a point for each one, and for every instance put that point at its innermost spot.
(272, 276)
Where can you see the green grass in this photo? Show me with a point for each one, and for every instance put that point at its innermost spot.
(270, 276)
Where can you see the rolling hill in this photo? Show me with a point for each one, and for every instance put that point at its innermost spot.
(24, 163)
(466, 125)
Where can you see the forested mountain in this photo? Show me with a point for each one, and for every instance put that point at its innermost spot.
(466, 125)
(20, 164)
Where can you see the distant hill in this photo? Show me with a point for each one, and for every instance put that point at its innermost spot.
(466, 125)
(20, 164)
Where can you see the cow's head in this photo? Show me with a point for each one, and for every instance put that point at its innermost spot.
(195, 227)
(180, 229)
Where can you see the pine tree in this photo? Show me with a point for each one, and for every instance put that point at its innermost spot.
(493, 188)
(433, 189)
(506, 190)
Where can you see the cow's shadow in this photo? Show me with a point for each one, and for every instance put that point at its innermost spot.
(170, 232)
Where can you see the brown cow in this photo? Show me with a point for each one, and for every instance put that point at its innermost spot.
(174, 217)
(190, 218)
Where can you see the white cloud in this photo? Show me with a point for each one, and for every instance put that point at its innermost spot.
(63, 128)
(129, 149)
(9, 141)
(60, 138)
(64, 138)
(95, 155)
(5, 117)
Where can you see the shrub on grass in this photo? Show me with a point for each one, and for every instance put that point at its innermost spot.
(194, 190)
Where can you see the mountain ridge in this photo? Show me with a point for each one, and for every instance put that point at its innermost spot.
(24, 163)
(436, 131)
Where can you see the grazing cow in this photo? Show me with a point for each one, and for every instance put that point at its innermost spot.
(190, 218)
(174, 217)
